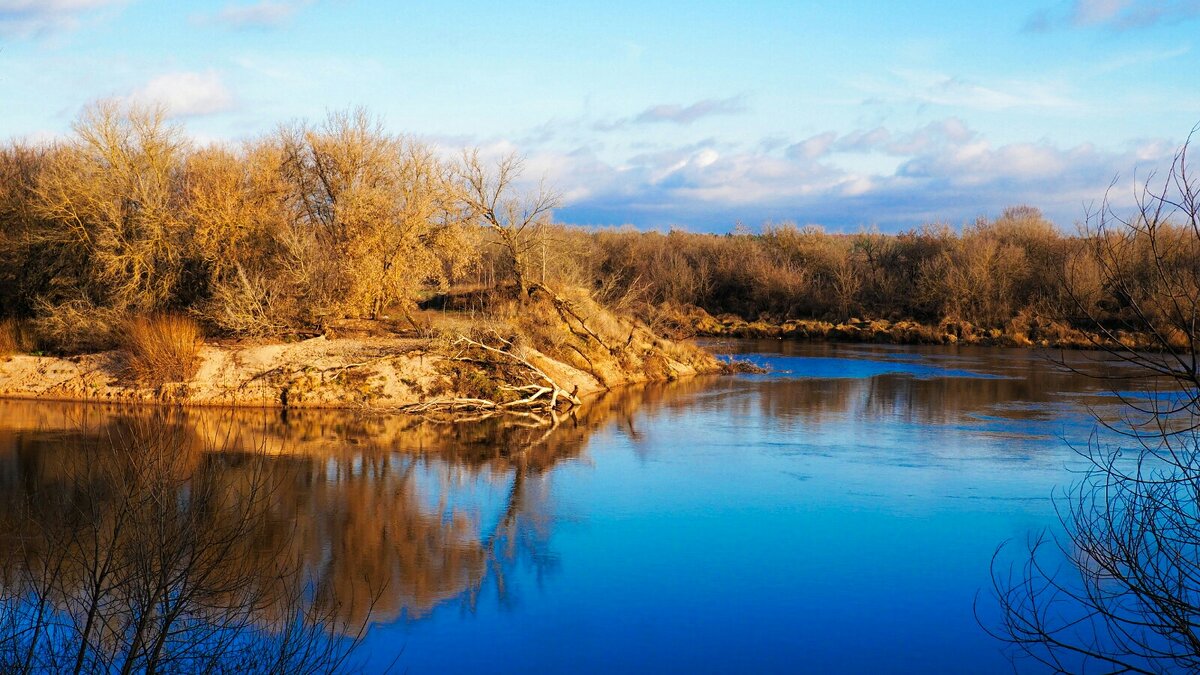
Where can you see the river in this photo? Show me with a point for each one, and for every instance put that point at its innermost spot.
(837, 514)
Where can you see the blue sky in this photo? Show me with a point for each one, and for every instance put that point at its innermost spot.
(662, 114)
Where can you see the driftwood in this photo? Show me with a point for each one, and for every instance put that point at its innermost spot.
(539, 396)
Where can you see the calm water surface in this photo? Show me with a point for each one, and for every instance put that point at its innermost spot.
(836, 515)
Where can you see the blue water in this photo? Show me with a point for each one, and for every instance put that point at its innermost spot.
(836, 515)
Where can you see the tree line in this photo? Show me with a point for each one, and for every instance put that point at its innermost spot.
(314, 222)
(1004, 273)
(275, 234)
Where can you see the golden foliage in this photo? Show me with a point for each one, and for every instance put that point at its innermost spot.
(75, 325)
(110, 206)
(279, 233)
(983, 274)
(373, 217)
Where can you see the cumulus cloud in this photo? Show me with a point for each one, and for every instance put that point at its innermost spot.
(262, 14)
(940, 172)
(185, 93)
(895, 177)
(1116, 14)
(25, 18)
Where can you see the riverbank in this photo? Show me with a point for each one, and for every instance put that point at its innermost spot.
(546, 354)
(1027, 330)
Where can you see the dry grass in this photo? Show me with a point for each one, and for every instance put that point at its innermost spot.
(8, 339)
(163, 348)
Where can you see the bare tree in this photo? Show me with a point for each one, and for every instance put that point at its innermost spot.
(143, 552)
(1119, 589)
(516, 220)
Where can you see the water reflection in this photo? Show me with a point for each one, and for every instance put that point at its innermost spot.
(127, 549)
(824, 383)
(383, 517)
(349, 520)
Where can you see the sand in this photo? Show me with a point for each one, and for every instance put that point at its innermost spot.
(374, 372)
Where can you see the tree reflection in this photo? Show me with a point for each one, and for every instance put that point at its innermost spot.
(955, 387)
(170, 540)
(134, 551)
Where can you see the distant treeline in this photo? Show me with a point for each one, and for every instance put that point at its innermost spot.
(1132, 275)
(985, 274)
(342, 219)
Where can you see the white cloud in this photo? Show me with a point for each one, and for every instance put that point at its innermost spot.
(26, 18)
(935, 88)
(940, 171)
(864, 140)
(43, 137)
(882, 140)
(675, 113)
(185, 93)
(946, 172)
(1097, 11)
(813, 146)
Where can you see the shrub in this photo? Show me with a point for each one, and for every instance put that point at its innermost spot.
(75, 326)
(162, 348)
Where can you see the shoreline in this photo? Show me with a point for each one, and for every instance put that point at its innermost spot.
(394, 375)
(379, 375)
(1023, 332)
(461, 377)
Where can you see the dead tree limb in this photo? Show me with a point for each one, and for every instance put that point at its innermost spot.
(541, 397)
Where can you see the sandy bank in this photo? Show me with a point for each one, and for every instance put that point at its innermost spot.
(376, 372)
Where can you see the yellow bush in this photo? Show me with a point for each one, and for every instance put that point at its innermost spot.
(163, 348)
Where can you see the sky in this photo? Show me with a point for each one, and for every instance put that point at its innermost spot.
(699, 115)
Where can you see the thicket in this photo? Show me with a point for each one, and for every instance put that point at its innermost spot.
(990, 273)
(162, 348)
(987, 273)
(313, 223)
(127, 218)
